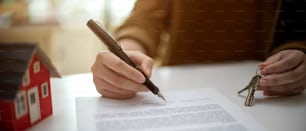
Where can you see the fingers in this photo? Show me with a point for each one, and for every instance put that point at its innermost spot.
(284, 88)
(111, 91)
(102, 84)
(114, 78)
(117, 65)
(284, 73)
(294, 91)
(110, 94)
(117, 80)
(295, 87)
(285, 78)
(145, 62)
(281, 62)
(270, 60)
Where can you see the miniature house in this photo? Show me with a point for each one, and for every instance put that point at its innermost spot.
(25, 93)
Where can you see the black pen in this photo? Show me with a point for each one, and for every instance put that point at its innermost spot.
(117, 50)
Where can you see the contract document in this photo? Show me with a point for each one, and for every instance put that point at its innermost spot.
(202, 109)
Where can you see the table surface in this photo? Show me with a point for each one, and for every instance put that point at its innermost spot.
(276, 114)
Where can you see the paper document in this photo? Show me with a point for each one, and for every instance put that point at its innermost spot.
(191, 110)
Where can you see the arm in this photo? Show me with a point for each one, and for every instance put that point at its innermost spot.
(138, 36)
(145, 24)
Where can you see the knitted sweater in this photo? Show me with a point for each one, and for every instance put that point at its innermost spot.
(205, 31)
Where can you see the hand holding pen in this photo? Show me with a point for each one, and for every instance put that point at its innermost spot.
(117, 77)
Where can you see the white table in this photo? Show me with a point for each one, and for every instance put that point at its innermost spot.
(276, 114)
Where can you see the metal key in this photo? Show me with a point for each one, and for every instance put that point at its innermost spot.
(251, 87)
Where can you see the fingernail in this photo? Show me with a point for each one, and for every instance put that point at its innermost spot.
(148, 72)
(147, 68)
(144, 68)
(141, 79)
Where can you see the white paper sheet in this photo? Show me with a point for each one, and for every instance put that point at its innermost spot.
(192, 110)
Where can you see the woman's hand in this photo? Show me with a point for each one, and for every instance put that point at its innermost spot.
(114, 78)
(283, 73)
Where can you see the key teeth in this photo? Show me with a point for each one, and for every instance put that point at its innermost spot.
(248, 104)
(242, 90)
(251, 89)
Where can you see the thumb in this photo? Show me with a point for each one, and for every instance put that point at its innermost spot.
(143, 61)
(272, 59)
(270, 62)
(147, 66)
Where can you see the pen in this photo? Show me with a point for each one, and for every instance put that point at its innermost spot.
(117, 50)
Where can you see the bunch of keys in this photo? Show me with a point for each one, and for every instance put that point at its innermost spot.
(251, 87)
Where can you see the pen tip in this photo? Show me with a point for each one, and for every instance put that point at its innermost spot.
(161, 96)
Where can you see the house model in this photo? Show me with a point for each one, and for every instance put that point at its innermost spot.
(25, 93)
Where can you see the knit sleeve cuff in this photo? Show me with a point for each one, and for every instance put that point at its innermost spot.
(298, 45)
(137, 34)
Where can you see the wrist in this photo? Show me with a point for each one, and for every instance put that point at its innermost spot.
(131, 45)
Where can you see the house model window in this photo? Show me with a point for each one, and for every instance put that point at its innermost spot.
(44, 90)
(26, 79)
(36, 67)
(20, 104)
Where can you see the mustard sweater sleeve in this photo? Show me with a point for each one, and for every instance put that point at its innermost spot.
(145, 24)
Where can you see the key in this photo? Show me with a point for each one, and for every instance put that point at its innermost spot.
(252, 82)
(242, 90)
(251, 87)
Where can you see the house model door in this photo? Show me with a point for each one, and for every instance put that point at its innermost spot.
(34, 107)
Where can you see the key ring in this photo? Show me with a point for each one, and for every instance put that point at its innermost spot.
(258, 72)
